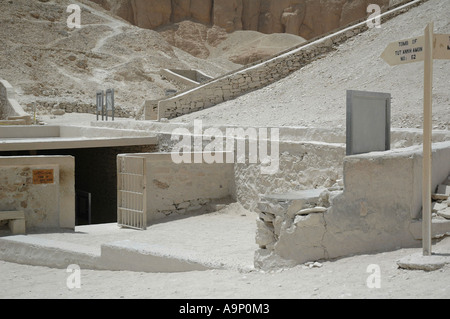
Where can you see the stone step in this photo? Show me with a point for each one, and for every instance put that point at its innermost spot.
(293, 203)
(37, 251)
(444, 213)
(134, 256)
(117, 256)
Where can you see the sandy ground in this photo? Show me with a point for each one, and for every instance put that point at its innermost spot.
(225, 237)
(347, 278)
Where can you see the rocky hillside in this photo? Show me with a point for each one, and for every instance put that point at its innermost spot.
(306, 18)
(62, 68)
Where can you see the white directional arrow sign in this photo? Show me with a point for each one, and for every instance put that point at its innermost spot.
(425, 48)
(404, 51)
(412, 50)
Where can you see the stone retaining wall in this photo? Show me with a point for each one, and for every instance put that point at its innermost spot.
(60, 108)
(178, 189)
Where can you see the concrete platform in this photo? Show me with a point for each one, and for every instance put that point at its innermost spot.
(420, 262)
(220, 240)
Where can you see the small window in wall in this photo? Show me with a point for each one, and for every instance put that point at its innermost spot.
(368, 122)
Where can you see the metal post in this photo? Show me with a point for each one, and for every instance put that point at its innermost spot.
(427, 141)
(103, 108)
(112, 101)
(106, 105)
(99, 102)
(34, 112)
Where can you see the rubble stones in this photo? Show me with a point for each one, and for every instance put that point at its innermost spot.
(441, 200)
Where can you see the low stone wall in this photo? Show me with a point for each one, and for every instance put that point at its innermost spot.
(378, 210)
(10, 109)
(60, 108)
(179, 189)
(260, 74)
(187, 78)
(47, 204)
(301, 165)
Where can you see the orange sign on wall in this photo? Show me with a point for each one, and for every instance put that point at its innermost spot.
(43, 176)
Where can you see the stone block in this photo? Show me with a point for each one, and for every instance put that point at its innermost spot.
(17, 226)
(277, 225)
(439, 206)
(264, 234)
(443, 190)
(444, 213)
(194, 208)
(183, 205)
(267, 217)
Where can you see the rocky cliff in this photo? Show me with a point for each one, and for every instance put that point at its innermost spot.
(307, 18)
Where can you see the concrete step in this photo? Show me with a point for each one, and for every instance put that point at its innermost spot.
(117, 256)
(133, 256)
(32, 250)
(220, 240)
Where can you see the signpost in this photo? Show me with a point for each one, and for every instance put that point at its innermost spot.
(425, 48)
(405, 51)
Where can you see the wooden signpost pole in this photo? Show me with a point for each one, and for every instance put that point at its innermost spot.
(427, 139)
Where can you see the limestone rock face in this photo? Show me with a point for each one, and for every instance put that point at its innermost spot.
(228, 14)
(200, 10)
(307, 18)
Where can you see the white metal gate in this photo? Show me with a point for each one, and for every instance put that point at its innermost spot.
(131, 192)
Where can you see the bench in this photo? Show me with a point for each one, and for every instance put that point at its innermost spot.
(16, 221)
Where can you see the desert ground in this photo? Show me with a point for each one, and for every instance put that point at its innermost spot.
(347, 278)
